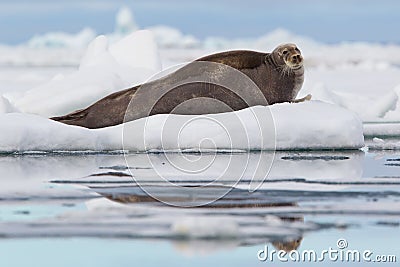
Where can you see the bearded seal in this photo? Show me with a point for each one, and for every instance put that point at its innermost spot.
(279, 76)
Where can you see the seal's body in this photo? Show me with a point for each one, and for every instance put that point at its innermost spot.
(279, 76)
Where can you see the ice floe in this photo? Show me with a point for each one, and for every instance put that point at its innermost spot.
(294, 126)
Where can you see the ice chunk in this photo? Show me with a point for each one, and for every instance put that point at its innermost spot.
(97, 53)
(103, 71)
(124, 22)
(137, 50)
(74, 91)
(392, 105)
(383, 144)
(316, 125)
(381, 129)
(312, 125)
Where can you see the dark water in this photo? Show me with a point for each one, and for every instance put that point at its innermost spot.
(99, 210)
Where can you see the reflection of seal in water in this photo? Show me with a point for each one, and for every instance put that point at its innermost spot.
(279, 76)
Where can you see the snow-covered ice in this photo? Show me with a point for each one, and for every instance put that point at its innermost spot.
(298, 126)
(381, 129)
(382, 144)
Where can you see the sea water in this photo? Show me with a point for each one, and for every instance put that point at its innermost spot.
(100, 208)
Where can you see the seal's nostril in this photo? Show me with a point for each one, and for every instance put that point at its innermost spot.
(297, 58)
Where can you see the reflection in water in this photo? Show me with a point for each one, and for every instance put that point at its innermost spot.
(248, 171)
(230, 205)
(248, 166)
(229, 215)
(204, 247)
(171, 174)
(60, 167)
(287, 245)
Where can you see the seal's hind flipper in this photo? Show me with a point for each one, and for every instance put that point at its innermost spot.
(71, 118)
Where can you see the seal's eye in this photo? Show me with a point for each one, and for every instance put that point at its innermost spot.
(284, 52)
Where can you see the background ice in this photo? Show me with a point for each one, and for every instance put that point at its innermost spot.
(61, 39)
(124, 22)
(332, 70)
(103, 70)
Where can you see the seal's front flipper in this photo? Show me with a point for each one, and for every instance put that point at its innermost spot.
(303, 99)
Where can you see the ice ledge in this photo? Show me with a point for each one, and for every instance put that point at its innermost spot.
(313, 125)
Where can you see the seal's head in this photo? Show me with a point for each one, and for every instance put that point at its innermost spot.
(288, 55)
